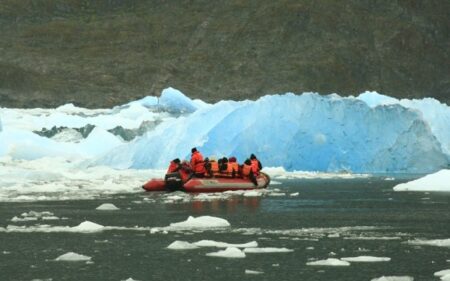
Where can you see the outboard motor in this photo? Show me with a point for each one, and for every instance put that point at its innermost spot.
(173, 181)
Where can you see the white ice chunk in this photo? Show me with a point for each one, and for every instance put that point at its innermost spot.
(87, 226)
(435, 242)
(267, 250)
(107, 207)
(366, 259)
(71, 256)
(328, 262)
(248, 271)
(393, 278)
(438, 181)
(252, 193)
(211, 243)
(442, 272)
(181, 245)
(230, 252)
(202, 222)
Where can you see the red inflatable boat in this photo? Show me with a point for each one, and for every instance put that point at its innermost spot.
(175, 181)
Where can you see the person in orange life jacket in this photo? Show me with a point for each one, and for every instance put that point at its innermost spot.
(256, 165)
(197, 164)
(247, 171)
(233, 167)
(175, 166)
(214, 167)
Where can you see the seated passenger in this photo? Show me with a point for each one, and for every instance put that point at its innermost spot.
(256, 164)
(233, 167)
(175, 166)
(248, 171)
(197, 164)
(214, 167)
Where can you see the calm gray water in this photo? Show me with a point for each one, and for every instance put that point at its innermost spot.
(328, 219)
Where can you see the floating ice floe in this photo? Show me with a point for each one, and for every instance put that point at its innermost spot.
(230, 252)
(438, 181)
(267, 250)
(365, 259)
(248, 271)
(294, 194)
(393, 278)
(203, 222)
(435, 242)
(71, 256)
(87, 226)
(442, 272)
(211, 243)
(59, 178)
(34, 216)
(328, 262)
(130, 279)
(107, 207)
(182, 245)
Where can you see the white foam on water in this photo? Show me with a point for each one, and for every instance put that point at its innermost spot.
(130, 279)
(328, 262)
(366, 259)
(281, 173)
(73, 257)
(267, 250)
(107, 207)
(372, 238)
(230, 252)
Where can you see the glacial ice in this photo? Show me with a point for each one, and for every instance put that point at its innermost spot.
(301, 132)
(438, 181)
(308, 132)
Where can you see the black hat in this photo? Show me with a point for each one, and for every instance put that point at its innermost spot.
(193, 149)
(252, 156)
(176, 160)
(247, 162)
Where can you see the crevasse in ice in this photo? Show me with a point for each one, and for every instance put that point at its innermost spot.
(371, 133)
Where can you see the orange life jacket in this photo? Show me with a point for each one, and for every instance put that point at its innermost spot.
(246, 169)
(197, 164)
(233, 168)
(214, 167)
(173, 167)
(255, 166)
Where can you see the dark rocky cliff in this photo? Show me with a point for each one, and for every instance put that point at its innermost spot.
(100, 53)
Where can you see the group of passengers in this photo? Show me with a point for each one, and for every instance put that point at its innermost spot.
(224, 167)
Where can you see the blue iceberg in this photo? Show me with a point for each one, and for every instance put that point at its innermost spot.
(370, 133)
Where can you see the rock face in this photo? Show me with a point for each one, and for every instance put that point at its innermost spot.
(107, 52)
